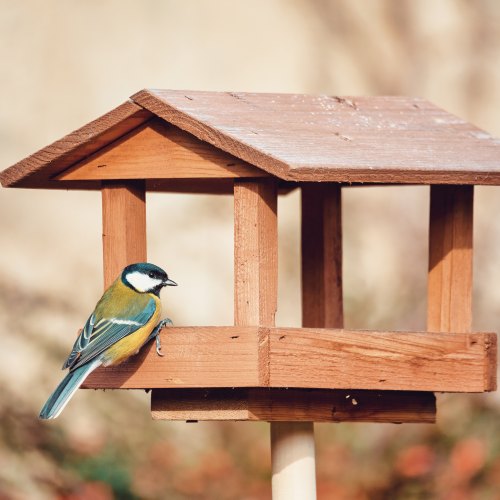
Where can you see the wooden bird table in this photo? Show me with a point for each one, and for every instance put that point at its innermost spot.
(255, 146)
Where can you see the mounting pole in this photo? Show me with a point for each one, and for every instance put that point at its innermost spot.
(293, 460)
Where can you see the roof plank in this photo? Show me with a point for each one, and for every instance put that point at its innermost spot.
(344, 139)
(36, 170)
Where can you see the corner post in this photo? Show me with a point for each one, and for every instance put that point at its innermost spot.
(123, 226)
(321, 244)
(255, 303)
(449, 306)
(255, 252)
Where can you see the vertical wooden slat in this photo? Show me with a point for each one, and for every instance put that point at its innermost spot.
(322, 256)
(256, 259)
(124, 226)
(255, 252)
(450, 259)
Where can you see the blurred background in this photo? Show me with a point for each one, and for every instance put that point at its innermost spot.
(65, 63)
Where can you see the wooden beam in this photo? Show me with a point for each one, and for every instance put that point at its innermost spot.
(255, 252)
(450, 259)
(200, 357)
(322, 304)
(124, 226)
(276, 405)
(157, 150)
(415, 361)
(193, 357)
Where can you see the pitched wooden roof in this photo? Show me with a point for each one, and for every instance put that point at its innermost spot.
(293, 137)
(38, 169)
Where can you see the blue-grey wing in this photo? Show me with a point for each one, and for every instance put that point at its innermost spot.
(97, 336)
(81, 342)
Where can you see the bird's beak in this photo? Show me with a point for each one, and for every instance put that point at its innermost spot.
(169, 282)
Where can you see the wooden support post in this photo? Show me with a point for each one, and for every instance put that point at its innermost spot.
(449, 288)
(322, 305)
(124, 226)
(256, 259)
(256, 287)
(449, 295)
(255, 252)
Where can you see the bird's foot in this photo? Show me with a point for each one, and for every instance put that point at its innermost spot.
(162, 324)
(165, 322)
(158, 346)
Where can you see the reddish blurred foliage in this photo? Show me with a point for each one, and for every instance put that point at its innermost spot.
(415, 461)
(493, 476)
(148, 481)
(259, 457)
(217, 464)
(468, 456)
(163, 455)
(331, 489)
(335, 460)
(189, 482)
(94, 490)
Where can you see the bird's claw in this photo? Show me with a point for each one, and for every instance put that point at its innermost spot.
(162, 324)
(158, 346)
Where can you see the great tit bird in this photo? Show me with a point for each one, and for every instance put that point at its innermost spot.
(125, 318)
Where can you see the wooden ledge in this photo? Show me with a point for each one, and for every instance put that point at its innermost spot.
(278, 405)
(218, 357)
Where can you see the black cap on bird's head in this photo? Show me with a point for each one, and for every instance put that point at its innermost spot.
(144, 277)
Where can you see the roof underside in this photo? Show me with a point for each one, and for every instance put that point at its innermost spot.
(294, 137)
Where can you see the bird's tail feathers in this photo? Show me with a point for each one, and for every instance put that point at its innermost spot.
(65, 390)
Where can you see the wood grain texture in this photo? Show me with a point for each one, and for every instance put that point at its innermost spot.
(321, 243)
(124, 226)
(38, 169)
(194, 357)
(450, 259)
(341, 359)
(156, 150)
(207, 185)
(200, 357)
(255, 252)
(330, 138)
(256, 259)
(277, 405)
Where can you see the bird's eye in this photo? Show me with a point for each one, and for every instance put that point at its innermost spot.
(151, 274)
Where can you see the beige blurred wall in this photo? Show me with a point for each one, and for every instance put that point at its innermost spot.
(66, 62)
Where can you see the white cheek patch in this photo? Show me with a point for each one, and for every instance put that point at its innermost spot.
(142, 282)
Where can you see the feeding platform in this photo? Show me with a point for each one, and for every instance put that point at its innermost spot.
(254, 147)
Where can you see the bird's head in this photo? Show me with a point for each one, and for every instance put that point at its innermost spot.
(146, 278)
